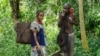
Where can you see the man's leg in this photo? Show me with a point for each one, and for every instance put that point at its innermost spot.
(65, 54)
(43, 50)
(71, 41)
(31, 54)
(34, 51)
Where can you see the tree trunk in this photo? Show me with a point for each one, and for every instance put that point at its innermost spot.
(15, 14)
(82, 27)
(15, 8)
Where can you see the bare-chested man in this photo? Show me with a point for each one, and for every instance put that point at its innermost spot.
(67, 19)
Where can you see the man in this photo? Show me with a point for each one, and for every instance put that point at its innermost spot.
(67, 19)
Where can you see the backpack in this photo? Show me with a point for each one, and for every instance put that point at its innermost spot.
(23, 33)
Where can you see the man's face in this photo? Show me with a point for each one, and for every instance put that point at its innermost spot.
(40, 16)
(65, 9)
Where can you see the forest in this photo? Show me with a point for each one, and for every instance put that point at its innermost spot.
(24, 10)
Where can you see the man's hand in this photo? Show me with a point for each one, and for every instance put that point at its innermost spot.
(63, 14)
(38, 48)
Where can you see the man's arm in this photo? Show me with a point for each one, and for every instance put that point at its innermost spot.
(74, 20)
(35, 37)
(35, 31)
(60, 19)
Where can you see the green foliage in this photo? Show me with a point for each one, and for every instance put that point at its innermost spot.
(28, 8)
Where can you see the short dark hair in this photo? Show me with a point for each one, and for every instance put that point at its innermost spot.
(68, 5)
(38, 12)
